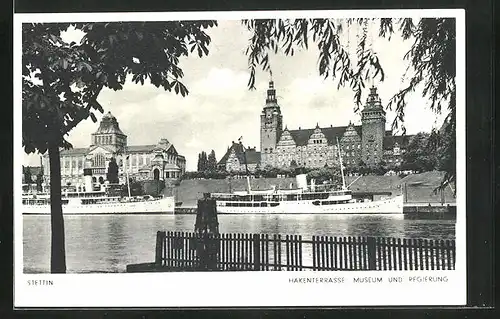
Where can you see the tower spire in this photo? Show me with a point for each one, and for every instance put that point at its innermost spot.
(271, 93)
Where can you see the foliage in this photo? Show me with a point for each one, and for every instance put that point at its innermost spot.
(329, 175)
(153, 187)
(431, 58)
(27, 175)
(39, 181)
(217, 174)
(112, 173)
(136, 188)
(207, 163)
(419, 156)
(202, 162)
(212, 161)
(442, 143)
(269, 171)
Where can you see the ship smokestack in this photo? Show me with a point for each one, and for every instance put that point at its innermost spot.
(87, 176)
(301, 181)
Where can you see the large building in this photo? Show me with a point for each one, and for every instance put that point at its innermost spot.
(368, 143)
(239, 159)
(159, 161)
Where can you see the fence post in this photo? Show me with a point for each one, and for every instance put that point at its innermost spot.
(256, 252)
(159, 248)
(372, 253)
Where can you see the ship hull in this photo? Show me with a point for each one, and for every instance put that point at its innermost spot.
(161, 206)
(387, 206)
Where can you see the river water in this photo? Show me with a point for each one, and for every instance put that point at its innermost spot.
(107, 243)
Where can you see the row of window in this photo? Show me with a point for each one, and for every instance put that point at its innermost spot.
(347, 147)
(75, 162)
(99, 160)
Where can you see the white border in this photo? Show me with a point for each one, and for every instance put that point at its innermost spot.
(237, 289)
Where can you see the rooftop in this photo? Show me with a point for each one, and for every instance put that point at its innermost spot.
(252, 155)
(109, 125)
(301, 136)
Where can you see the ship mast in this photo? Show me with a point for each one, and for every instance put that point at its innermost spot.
(246, 165)
(341, 165)
(126, 172)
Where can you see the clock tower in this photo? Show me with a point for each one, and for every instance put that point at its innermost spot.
(372, 129)
(271, 126)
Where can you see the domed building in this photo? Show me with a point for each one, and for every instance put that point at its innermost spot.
(108, 143)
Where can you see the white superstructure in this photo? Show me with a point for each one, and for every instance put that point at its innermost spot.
(300, 201)
(84, 203)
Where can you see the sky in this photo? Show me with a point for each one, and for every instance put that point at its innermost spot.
(220, 108)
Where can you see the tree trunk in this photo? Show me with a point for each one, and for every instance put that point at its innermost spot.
(58, 253)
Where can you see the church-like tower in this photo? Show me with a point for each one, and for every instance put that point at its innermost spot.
(271, 125)
(109, 134)
(373, 129)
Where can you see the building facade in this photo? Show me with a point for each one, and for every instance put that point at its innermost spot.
(369, 143)
(159, 161)
(239, 159)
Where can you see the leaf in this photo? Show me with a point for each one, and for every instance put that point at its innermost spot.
(92, 116)
(98, 106)
(205, 50)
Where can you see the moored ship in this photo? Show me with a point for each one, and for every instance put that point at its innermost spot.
(98, 202)
(305, 199)
(105, 200)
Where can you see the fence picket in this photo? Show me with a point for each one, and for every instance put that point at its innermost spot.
(415, 253)
(300, 252)
(349, 246)
(256, 252)
(426, 249)
(448, 254)
(296, 252)
(346, 257)
(400, 254)
(267, 251)
(279, 252)
(420, 255)
(390, 252)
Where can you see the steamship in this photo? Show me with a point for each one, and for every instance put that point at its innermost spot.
(305, 199)
(98, 202)
(95, 202)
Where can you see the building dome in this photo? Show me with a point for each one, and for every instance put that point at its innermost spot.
(109, 125)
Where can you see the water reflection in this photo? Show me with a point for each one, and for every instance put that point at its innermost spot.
(109, 243)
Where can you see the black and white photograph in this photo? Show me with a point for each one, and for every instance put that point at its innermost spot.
(320, 154)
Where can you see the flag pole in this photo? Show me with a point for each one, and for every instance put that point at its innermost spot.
(246, 165)
(126, 172)
(341, 166)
